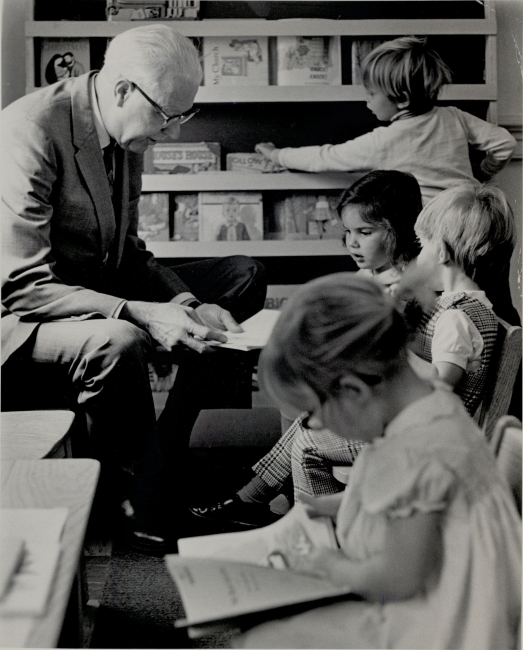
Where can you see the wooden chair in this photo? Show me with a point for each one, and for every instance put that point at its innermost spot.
(506, 444)
(502, 375)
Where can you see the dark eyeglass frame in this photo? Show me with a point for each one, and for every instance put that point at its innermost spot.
(168, 119)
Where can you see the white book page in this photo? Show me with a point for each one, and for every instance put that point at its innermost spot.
(257, 330)
(214, 589)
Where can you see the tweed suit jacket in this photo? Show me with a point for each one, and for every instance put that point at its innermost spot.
(65, 255)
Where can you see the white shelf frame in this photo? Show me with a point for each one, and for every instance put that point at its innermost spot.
(241, 182)
(265, 248)
(257, 27)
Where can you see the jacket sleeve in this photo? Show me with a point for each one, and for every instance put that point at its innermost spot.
(352, 156)
(495, 141)
(30, 289)
(141, 277)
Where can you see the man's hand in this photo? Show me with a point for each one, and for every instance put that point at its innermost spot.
(171, 324)
(217, 318)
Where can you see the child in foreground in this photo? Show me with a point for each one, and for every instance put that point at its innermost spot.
(429, 533)
(403, 78)
(378, 213)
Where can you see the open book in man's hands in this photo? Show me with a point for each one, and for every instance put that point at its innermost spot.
(223, 577)
(256, 332)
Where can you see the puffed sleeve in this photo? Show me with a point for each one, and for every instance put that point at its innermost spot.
(406, 484)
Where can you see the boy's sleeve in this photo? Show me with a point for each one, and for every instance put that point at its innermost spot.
(494, 140)
(352, 156)
(456, 340)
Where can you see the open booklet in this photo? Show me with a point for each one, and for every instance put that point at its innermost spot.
(223, 577)
(256, 332)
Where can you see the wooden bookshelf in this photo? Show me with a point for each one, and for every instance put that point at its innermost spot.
(222, 95)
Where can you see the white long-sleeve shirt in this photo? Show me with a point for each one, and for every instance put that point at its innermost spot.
(433, 147)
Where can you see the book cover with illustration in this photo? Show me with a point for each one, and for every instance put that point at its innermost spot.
(154, 9)
(61, 58)
(153, 216)
(225, 576)
(361, 47)
(241, 61)
(251, 162)
(230, 216)
(308, 60)
(182, 158)
(186, 218)
(306, 216)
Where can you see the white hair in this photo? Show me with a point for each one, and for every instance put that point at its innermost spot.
(148, 54)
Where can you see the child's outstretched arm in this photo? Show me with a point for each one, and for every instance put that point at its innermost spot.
(412, 552)
(358, 155)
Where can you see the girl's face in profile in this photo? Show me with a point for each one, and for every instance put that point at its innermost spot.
(367, 243)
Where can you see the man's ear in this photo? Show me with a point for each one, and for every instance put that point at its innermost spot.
(403, 103)
(122, 90)
(356, 388)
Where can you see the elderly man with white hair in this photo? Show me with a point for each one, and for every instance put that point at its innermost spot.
(81, 296)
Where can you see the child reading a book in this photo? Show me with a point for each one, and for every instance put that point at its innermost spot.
(426, 521)
(378, 213)
(402, 79)
(472, 231)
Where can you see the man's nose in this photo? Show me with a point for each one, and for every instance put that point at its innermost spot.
(170, 132)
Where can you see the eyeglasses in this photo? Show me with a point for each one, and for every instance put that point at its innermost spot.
(168, 119)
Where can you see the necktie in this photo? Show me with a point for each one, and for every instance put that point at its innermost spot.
(108, 154)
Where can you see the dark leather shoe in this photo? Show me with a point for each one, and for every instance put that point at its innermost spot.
(236, 511)
(147, 544)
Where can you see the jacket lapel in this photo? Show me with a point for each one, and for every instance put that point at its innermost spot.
(89, 159)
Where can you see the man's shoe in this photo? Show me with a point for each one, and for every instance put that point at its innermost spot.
(236, 511)
(148, 544)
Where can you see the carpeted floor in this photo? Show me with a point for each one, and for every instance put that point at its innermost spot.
(140, 602)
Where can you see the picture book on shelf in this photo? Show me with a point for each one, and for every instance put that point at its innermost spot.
(231, 61)
(251, 162)
(153, 216)
(308, 60)
(222, 577)
(61, 58)
(186, 218)
(154, 9)
(306, 216)
(230, 216)
(182, 158)
(361, 47)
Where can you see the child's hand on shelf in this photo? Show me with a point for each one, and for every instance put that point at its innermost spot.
(266, 148)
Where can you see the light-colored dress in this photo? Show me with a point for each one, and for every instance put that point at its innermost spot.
(432, 458)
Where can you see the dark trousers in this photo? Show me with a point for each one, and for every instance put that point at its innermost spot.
(98, 367)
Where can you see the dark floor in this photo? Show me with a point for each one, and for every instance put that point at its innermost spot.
(133, 602)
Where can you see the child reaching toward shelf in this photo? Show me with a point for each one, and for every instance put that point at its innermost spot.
(403, 78)
(466, 233)
(427, 520)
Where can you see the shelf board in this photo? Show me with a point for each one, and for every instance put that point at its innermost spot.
(260, 94)
(234, 181)
(282, 94)
(255, 27)
(299, 248)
